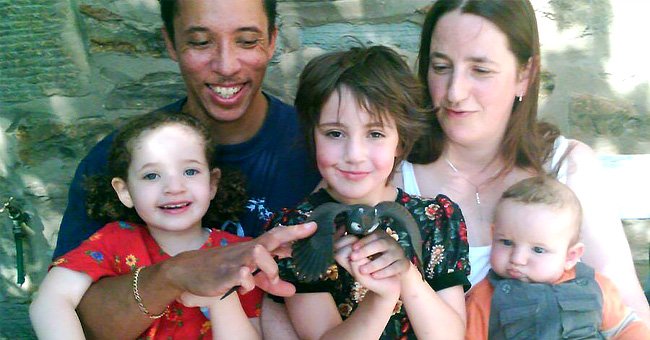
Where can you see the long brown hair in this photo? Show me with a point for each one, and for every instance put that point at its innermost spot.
(527, 143)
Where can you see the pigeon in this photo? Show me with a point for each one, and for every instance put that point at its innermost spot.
(312, 256)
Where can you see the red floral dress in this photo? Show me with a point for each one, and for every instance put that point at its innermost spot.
(120, 247)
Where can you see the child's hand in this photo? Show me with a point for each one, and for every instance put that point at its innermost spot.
(342, 251)
(388, 287)
(387, 255)
(191, 300)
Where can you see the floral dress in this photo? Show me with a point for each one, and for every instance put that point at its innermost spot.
(445, 255)
(120, 247)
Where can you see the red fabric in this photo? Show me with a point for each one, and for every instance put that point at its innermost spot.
(119, 248)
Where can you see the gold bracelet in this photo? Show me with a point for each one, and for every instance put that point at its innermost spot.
(138, 299)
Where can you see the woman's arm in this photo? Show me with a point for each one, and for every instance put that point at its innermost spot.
(606, 246)
(53, 312)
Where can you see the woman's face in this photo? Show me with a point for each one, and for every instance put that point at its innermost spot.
(473, 78)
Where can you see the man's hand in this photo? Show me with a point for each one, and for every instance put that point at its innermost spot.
(212, 272)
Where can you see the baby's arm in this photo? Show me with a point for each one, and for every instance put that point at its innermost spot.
(53, 312)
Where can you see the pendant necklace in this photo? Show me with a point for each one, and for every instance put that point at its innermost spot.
(476, 187)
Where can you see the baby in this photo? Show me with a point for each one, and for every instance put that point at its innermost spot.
(537, 288)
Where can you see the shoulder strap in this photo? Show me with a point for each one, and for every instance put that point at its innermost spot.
(558, 165)
(408, 177)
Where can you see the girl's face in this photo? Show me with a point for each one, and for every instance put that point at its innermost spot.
(355, 152)
(169, 179)
(473, 78)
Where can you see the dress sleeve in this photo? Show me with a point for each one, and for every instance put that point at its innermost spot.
(98, 257)
(445, 247)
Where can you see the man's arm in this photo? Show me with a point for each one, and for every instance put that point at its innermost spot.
(108, 309)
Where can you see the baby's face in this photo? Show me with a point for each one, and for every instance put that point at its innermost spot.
(530, 241)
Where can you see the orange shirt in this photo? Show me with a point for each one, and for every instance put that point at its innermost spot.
(615, 313)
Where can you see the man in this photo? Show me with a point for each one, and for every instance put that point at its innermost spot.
(223, 48)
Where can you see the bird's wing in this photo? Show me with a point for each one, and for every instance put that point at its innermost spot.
(403, 218)
(313, 255)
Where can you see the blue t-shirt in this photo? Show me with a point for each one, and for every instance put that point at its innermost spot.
(278, 168)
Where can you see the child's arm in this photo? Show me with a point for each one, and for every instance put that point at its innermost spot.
(312, 314)
(227, 317)
(433, 315)
(315, 315)
(229, 320)
(53, 312)
(417, 296)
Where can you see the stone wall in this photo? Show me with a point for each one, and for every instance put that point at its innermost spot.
(72, 69)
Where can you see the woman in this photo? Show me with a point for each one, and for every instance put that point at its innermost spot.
(480, 62)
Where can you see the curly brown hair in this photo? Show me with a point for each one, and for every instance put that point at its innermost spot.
(102, 202)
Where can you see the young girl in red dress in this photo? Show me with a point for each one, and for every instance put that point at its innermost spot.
(161, 168)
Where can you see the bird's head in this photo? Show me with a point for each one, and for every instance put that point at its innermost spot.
(362, 219)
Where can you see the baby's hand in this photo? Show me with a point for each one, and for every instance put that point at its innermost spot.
(387, 255)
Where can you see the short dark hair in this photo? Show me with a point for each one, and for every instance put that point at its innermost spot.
(527, 142)
(380, 80)
(102, 202)
(168, 9)
(548, 191)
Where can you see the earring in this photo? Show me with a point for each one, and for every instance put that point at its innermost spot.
(519, 98)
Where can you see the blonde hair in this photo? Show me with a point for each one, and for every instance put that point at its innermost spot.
(550, 192)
